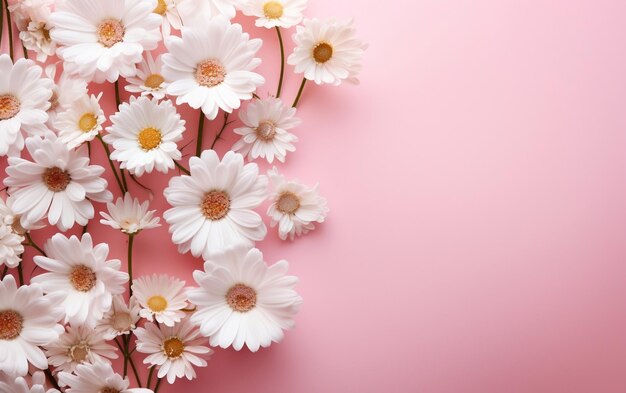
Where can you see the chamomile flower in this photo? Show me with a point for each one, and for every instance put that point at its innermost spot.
(32, 18)
(211, 66)
(240, 300)
(98, 377)
(129, 216)
(168, 10)
(213, 207)
(265, 133)
(81, 275)
(275, 13)
(174, 350)
(9, 384)
(11, 247)
(101, 40)
(65, 92)
(295, 207)
(327, 52)
(121, 319)
(161, 297)
(80, 122)
(148, 81)
(144, 135)
(78, 345)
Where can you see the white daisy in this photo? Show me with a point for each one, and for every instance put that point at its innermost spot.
(59, 183)
(240, 300)
(168, 10)
(24, 96)
(275, 13)
(120, 319)
(265, 133)
(211, 66)
(129, 216)
(80, 122)
(174, 350)
(161, 297)
(144, 135)
(11, 247)
(65, 92)
(21, 385)
(212, 208)
(101, 40)
(327, 51)
(96, 378)
(194, 12)
(82, 276)
(295, 207)
(78, 345)
(10, 218)
(28, 319)
(148, 81)
(32, 18)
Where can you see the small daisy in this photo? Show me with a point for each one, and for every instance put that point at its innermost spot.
(82, 276)
(79, 345)
(295, 207)
(174, 350)
(120, 319)
(194, 12)
(211, 66)
(144, 135)
(96, 378)
(212, 208)
(24, 100)
(240, 300)
(265, 133)
(171, 18)
(59, 183)
(10, 218)
(327, 52)
(275, 13)
(101, 40)
(148, 81)
(28, 319)
(32, 18)
(11, 248)
(20, 385)
(80, 122)
(161, 297)
(65, 92)
(129, 216)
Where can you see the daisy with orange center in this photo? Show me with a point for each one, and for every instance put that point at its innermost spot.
(149, 81)
(275, 13)
(81, 121)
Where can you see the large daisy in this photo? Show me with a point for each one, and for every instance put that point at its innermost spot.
(10, 384)
(161, 297)
(144, 135)
(129, 215)
(174, 350)
(148, 81)
(59, 183)
(121, 319)
(275, 13)
(210, 67)
(101, 40)
(28, 320)
(327, 52)
(24, 100)
(240, 300)
(81, 275)
(80, 122)
(265, 133)
(213, 207)
(96, 378)
(79, 345)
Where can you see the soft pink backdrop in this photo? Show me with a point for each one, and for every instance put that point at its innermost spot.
(477, 182)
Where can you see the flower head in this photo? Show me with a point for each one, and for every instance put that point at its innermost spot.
(96, 378)
(275, 13)
(148, 81)
(161, 297)
(81, 121)
(129, 215)
(78, 345)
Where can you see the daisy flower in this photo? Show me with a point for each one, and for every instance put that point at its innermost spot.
(32, 18)
(24, 96)
(171, 18)
(20, 385)
(76, 346)
(327, 52)
(65, 92)
(98, 377)
(240, 300)
(295, 207)
(81, 121)
(161, 297)
(174, 350)
(211, 66)
(194, 12)
(11, 248)
(275, 13)
(129, 216)
(28, 319)
(144, 135)
(120, 319)
(59, 183)
(265, 133)
(212, 208)
(81, 275)
(101, 40)
(148, 81)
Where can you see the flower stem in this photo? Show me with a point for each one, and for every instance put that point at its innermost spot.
(131, 238)
(158, 384)
(25, 52)
(9, 27)
(108, 153)
(150, 377)
(51, 378)
(182, 168)
(34, 245)
(125, 351)
(282, 63)
(118, 100)
(295, 103)
(219, 134)
(124, 179)
(20, 272)
(200, 134)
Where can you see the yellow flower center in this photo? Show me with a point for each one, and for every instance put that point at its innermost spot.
(79, 352)
(273, 10)
(110, 32)
(322, 52)
(154, 81)
(157, 303)
(173, 347)
(9, 106)
(11, 324)
(215, 205)
(210, 73)
(288, 203)
(241, 298)
(149, 138)
(82, 278)
(161, 8)
(56, 179)
(87, 122)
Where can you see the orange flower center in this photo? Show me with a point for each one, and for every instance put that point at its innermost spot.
(322, 52)
(82, 278)
(11, 324)
(110, 32)
(56, 179)
(210, 73)
(157, 303)
(154, 81)
(149, 138)
(273, 10)
(161, 8)
(173, 347)
(215, 205)
(87, 122)
(108, 390)
(9, 106)
(241, 298)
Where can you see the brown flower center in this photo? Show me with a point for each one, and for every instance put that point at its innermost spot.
(11, 324)
(82, 278)
(122, 321)
(322, 52)
(266, 131)
(149, 138)
(79, 352)
(288, 203)
(273, 10)
(210, 73)
(154, 81)
(54, 100)
(9, 106)
(241, 298)
(110, 32)
(56, 179)
(87, 122)
(173, 347)
(109, 390)
(215, 205)
(157, 303)
(161, 8)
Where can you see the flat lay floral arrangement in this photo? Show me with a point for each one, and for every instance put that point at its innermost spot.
(79, 321)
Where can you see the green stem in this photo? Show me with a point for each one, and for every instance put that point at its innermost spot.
(9, 27)
(219, 134)
(158, 384)
(125, 351)
(124, 179)
(131, 238)
(282, 63)
(182, 168)
(25, 52)
(295, 103)
(20, 272)
(133, 178)
(200, 134)
(134, 368)
(34, 245)
(150, 377)
(118, 100)
(108, 153)
(51, 378)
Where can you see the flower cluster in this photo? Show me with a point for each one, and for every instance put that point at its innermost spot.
(62, 325)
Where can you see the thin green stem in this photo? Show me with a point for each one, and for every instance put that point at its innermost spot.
(25, 52)
(133, 178)
(134, 368)
(118, 100)
(131, 238)
(20, 272)
(158, 384)
(219, 134)
(200, 134)
(182, 168)
(34, 245)
(149, 377)
(51, 379)
(108, 153)
(125, 351)
(297, 100)
(9, 27)
(282, 62)
(124, 179)
(89, 149)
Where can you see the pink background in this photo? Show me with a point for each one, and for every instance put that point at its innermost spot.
(477, 185)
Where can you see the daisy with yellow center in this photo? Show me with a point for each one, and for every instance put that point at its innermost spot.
(275, 13)
(149, 81)
(168, 10)
(160, 297)
(80, 121)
